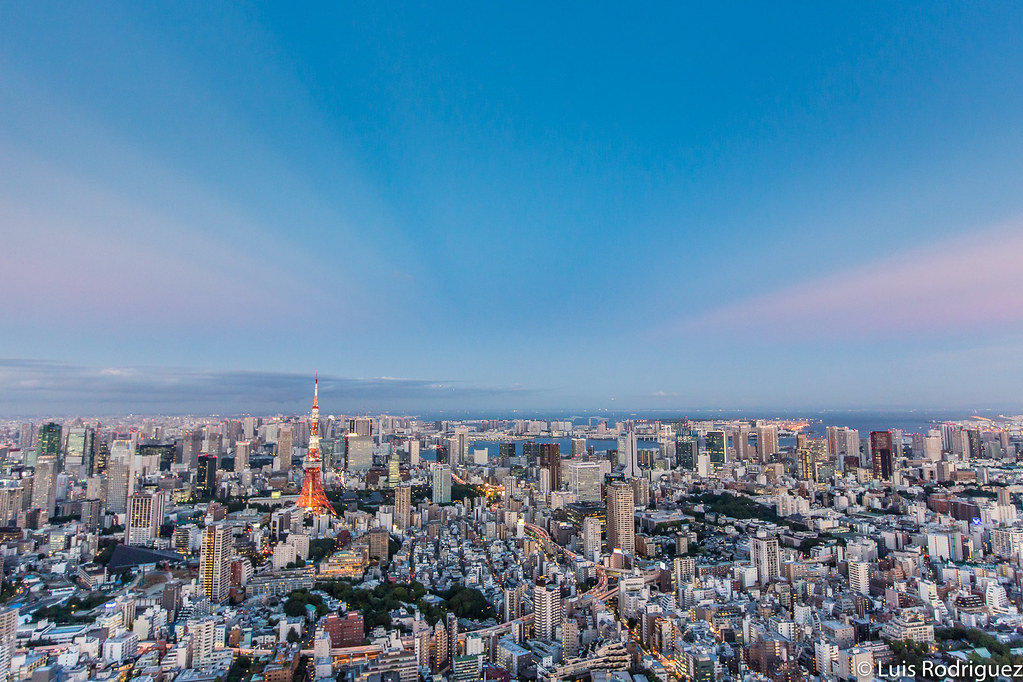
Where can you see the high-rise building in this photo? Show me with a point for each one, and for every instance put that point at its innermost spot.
(687, 448)
(145, 514)
(547, 613)
(120, 476)
(716, 446)
(766, 556)
(550, 458)
(591, 537)
(767, 441)
(628, 454)
(459, 453)
(8, 638)
(578, 447)
(881, 454)
(44, 484)
(285, 448)
(358, 453)
(206, 477)
(441, 484)
(740, 442)
(214, 569)
(859, 577)
(412, 447)
(191, 446)
(360, 426)
(242, 450)
(49, 444)
(80, 450)
(583, 480)
(621, 525)
(402, 506)
(512, 606)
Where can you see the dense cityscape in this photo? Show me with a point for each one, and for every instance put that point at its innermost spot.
(393, 549)
(486, 342)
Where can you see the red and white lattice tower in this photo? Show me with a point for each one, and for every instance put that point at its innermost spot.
(312, 497)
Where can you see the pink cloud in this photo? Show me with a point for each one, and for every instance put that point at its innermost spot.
(949, 285)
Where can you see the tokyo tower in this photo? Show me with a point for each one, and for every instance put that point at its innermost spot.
(312, 497)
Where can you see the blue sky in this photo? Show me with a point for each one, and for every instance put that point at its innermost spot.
(730, 205)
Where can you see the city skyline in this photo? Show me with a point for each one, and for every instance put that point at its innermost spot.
(685, 208)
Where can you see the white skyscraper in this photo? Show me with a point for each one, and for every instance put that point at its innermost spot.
(547, 609)
(859, 577)
(145, 514)
(766, 557)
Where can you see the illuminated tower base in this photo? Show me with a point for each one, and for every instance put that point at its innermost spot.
(312, 497)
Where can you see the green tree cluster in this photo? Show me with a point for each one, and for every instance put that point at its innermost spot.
(299, 599)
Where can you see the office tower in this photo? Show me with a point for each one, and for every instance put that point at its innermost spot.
(361, 426)
(49, 444)
(591, 537)
(413, 452)
(92, 513)
(628, 455)
(44, 484)
(393, 469)
(191, 446)
(214, 569)
(441, 484)
(547, 612)
(550, 458)
(687, 448)
(27, 436)
(583, 480)
(285, 448)
(206, 477)
(740, 441)
(506, 452)
(859, 577)
(578, 447)
(459, 446)
(358, 453)
(716, 446)
(242, 450)
(531, 451)
(313, 498)
(80, 450)
(120, 477)
(145, 514)
(8, 638)
(403, 506)
(881, 454)
(767, 442)
(621, 528)
(766, 557)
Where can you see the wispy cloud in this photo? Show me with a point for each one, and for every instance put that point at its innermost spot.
(951, 285)
(34, 387)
